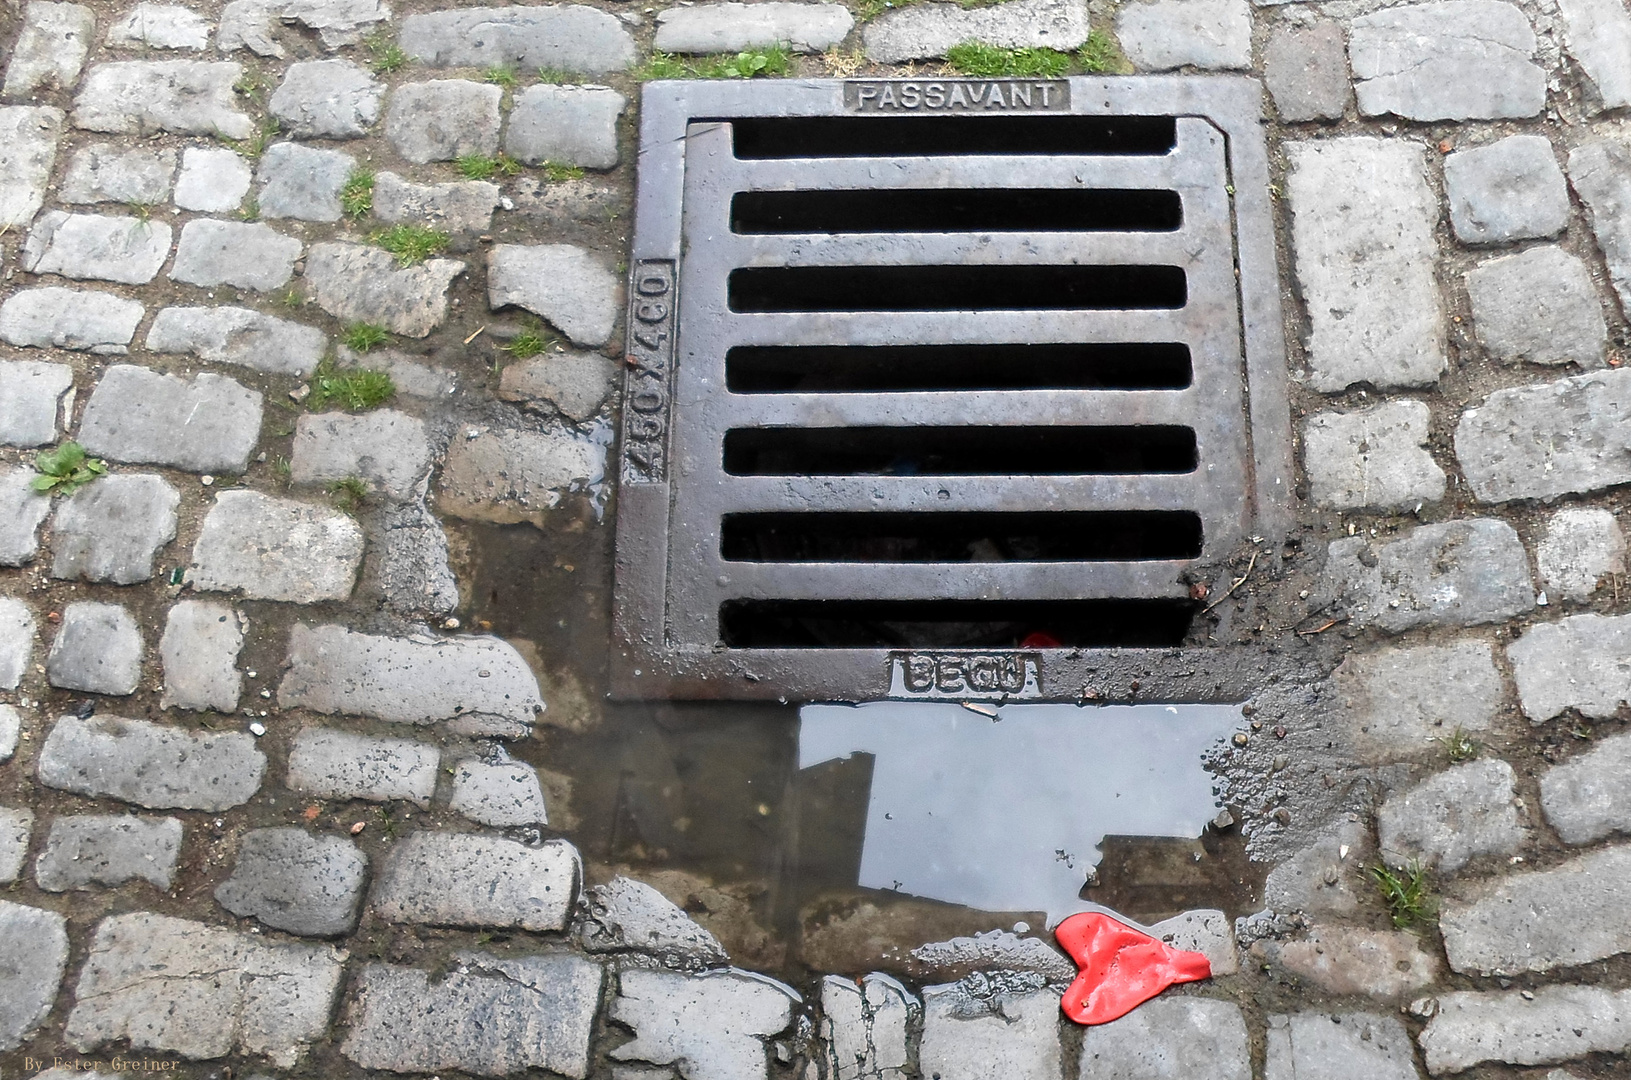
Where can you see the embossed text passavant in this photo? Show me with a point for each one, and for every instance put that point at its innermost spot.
(956, 95)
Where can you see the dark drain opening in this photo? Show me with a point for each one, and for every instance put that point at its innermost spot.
(961, 538)
(995, 287)
(916, 136)
(897, 210)
(951, 624)
(761, 369)
(959, 451)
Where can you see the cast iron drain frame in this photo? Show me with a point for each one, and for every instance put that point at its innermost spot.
(671, 578)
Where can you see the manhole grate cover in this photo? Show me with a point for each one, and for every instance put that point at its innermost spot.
(936, 388)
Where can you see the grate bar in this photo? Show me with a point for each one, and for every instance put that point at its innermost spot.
(984, 581)
(998, 408)
(1156, 491)
(995, 327)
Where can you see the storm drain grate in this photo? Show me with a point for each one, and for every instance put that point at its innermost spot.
(937, 387)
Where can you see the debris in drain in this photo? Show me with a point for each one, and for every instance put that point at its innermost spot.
(1119, 968)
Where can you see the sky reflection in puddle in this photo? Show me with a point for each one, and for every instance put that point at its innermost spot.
(1008, 814)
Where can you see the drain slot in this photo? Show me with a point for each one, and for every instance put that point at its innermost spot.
(899, 210)
(913, 136)
(994, 287)
(771, 369)
(959, 451)
(951, 624)
(962, 537)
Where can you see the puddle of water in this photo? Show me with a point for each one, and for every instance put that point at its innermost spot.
(1010, 813)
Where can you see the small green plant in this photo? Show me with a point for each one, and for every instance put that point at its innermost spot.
(349, 494)
(283, 470)
(252, 86)
(361, 337)
(387, 823)
(251, 208)
(978, 58)
(746, 65)
(482, 167)
(257, 142)
(502, 75)
(1102, 55)
(1460, 746)
(555, 75)
(384, 55)
(410, 243)
(142, 212)
(354, 389)
(66, 469)
(661, 65)
(1404, 891)
(557, 173)
(293, 297)
(357, 196)
(527, 344)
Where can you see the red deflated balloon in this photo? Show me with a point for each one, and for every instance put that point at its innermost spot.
(1119, 968)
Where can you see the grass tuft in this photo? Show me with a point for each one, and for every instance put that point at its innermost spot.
(354, 389)
(357, 196)
(774, 60)
(384, 55)
(557, 76)
(528, 343)
(1404, 892)
(502, 75)
(1460, 746)
(411, 243)
(1102, 55)
(361, 337)
(978, 58)
(349, 494)
(255, 145)
(482, 167)
(557, 173)
(661, 65)
(66, 469)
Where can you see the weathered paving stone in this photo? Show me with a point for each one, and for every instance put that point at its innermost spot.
(1348, 961)
(161, 26)
(1580, 547)
(108, 173)
(501, 793)
(235, 335)
(34, 396)
(1395, 703)
(201, 992)
(15, 828)
(864, 1027)
(302, 182)
(480, 683)
(28, 149)
(1601, 174)
(266, 548)
(1509, 190)
(1306, 69)
(98, 649)
(461, 879)
(54, 317)
(443, 119)
(1589, 796)
(327, 99)
(1364, 258)
(974, 1038)
(566, 37)
(1374, 458)
(567, 285)
(33, 954)
(291, 880)
(245, 255)
(151, 765)
(1575, 663)
(339, 765)
(1159, 35)
(21, 511)
(489, 1016)
(247, 24)
(1550, 1024)
(1531, 442)
(1539, 306)
(96, 247)
(569, 125)
(412, 375)
(212, 181)
(921, 33)
(715, 1024)
(1329, 1046)
(207, 424)
(199, 650)
(510, 475)
(140, 97)
(1450, 60)
(625, 915)
(460, 206)
(1598, 34)
(1572, 914)
(1325, 878)
(1453, 573)
(992, 950)
(730, 28)
(412, 573)
(563, 204)
(386, 448)
(11, 721)
(111, 530)
(572, 383)
(89, 850)
(50, 50)
(1170, 1038)
(358, 283)
(1452, 818)
(1204, 930)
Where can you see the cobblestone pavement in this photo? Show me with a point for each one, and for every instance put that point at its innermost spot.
(266, 807)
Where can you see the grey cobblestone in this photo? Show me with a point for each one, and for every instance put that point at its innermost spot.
(212, 181)
(971, 1038)
(245, 255)
(1168, 1039)
(1601, 174)
(327, 99)
(567, 285)
(33, 954)
(864, 1027)
(108, 173)
(1206, 931)
(998, 950)
(112, 529)
(1574, 663)
(1509, 190)
(291, 880)
(1325, 878)
(480, 684)
(340, 765)
(207, 424)
(34, 398)
(1448, 60)
(201, 992)
(443, 119)
(1531, 442)
(411, 375)
(240, 336)
(267, 548)
(86, 850)
(1160, 35)
(140, 97)
(574, 384)
(16, 826)
(502, 793)
(386, 448)
(922, 33)
(1453, 573)
(97, 649)
(302, 182)
(54, 317)
(1589, 796)
(1580, 547)
(1348, 961)
(247, 24)
(28, 149)
(50, 50)
(355, 283)
(1330, 1046)
(1538, 306)
(1550, 1024)
(1306, 70)
(96, 247)
(714, 1024)
(1395, 703)
(161, 26)
(11, 721)
(151, 765)
(449, 879)
(412, 572)
(730, 27)
(625, 915)
(1452, 818)
(512, 475)
(21, 511)
(1598, 33)
(200, 652)
(1372, 458)
(566, 37)
(568, 125)
(462, 206)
